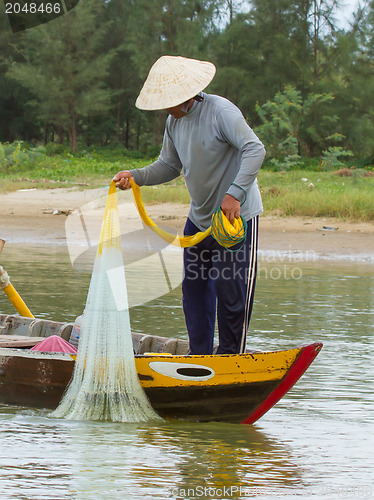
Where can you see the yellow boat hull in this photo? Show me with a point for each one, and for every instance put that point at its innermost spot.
(231, 388)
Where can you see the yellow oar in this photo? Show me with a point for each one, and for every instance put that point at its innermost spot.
(11, 292)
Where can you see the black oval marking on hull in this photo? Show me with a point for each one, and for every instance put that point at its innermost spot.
(194, 372)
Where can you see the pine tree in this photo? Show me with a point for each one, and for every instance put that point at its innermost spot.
(64, 68)
(17, 120)
(355, 91)
(166, 27)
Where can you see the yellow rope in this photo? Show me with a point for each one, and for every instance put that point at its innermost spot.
(110, 233)
(222, 230)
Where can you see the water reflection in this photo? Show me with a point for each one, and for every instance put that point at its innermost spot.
(222, 455)
(138, 461)
(316, 440)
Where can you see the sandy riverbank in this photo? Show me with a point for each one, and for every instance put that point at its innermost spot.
(40, 216)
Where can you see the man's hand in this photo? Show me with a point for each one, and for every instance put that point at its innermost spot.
(230, 206)
(122, 179)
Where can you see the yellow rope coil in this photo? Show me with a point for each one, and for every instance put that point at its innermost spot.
(228, 234)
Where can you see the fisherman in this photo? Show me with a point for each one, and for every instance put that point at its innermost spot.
(208, 140)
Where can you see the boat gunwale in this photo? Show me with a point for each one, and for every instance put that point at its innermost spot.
(28, 353)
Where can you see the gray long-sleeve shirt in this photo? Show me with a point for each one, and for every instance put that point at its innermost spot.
(217, 152)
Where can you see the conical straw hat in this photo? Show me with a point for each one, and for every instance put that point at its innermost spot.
(173, 80)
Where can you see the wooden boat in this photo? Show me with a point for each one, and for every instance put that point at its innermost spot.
(236, 388)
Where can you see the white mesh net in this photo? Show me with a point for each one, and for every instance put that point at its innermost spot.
(105, 385)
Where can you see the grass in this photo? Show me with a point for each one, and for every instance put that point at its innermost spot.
(306, 192)
(323, 194)
(23, 168)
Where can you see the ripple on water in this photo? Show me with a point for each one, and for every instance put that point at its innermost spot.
(316, 440)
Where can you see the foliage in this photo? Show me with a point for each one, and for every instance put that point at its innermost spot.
(42, 167)
(287, 163)
(75, 80)
(19, 155)
(281, 120)
(63, 69)
(330, 158)
(292, 126)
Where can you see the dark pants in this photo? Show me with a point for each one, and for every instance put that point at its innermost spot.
(219, 279)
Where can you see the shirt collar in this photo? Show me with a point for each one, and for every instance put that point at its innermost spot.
(195, 108)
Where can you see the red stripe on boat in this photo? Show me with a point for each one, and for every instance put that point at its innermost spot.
(299, 366)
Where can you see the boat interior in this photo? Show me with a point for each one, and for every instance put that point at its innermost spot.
(24, 333)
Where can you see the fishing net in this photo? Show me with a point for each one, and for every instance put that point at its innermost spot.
(105, 385)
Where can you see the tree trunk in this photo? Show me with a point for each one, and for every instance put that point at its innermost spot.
(138, 136)
(316, 31)
(231, 10)
(158, 129)
(45, 134)
(118, 127)
(60, 136)
(127, 132)
(73, 135)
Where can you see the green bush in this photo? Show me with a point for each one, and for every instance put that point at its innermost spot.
(153, 150)
(54, 148)
(330, 158)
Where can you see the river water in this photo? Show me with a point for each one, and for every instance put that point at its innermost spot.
(317, 442)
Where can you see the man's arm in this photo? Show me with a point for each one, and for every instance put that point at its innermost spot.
(166, 168)
(238, 134)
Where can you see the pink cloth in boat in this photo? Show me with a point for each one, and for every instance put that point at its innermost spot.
(54, 343)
